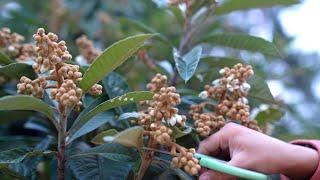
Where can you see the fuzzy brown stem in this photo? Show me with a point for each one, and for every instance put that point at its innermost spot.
(147, 158)
(62, 143)
(62, 132)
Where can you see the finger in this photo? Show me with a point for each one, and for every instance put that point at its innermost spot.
(215, 144)
(209, 175)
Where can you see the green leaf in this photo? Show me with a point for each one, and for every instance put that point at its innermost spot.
(178, 133)
(16, 70)
(270, 114)
(177, 14)
(112, 151)
(17, 155)
(243, 42)
(98, 167)
(143, 28)
(235, 5)
(188, 63)
(131, 137)
(111, 58)
(4, 59)
(78, 128)
(220, 62)
(104, 136)
(260, 90)
(23, 102)
(115, 85)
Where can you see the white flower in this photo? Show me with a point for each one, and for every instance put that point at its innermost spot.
(108, 138)
(11, 48)
(215, 82)
(246, 87)
(178, 118)
(203, 95)
(230, 78)
(230, 87)
(244, 100)
(172, 121)
(222, 71)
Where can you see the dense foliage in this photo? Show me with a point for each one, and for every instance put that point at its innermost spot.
(139, 108)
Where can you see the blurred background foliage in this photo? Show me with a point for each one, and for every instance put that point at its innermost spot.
(107, 21)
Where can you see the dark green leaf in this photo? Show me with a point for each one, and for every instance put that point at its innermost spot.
(111, 58)
(78, 128)
(98, 167)
(220, 62)
(188, 63)
(243, 42)
(22, 102)
(260, 90)
(17, 155)
(4, 59)
(234, 5)
(16, 70)
(143, 28)
(115, 85)
(112, 151)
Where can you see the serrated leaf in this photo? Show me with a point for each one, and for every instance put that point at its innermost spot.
(16, 70)
(104, 137)
(143, 28)
(220, 62)
(17, 155)
(91, 164)
(4, 59)
(270, 114)
(243, 42)
(260, 90)
(112, 151)
(235, 5)
(131, 137)
(111, 58)
(23, 102)
(98, 167)
(188, 63)
(115, 85)
(78, 128)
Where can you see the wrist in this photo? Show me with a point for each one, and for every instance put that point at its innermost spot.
(300, 162)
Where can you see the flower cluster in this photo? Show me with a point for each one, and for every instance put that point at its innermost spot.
(187, 161)
(157, 82)
(50, 51)
(11, 44)
(230, 91)
(68, 94)
(163, 106)
(32, 87)
(62, 78)
(86, 48)
(162, 117)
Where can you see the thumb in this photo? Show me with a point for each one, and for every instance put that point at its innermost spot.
(239, 161)
(214, 175)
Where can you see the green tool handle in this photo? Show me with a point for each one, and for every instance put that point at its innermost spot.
(221, 166)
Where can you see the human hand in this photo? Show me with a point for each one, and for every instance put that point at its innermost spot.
(252, 150)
